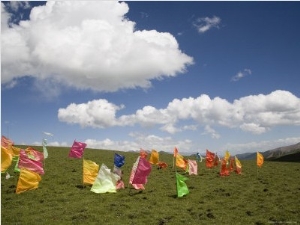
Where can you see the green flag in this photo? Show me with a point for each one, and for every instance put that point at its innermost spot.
(182, 189)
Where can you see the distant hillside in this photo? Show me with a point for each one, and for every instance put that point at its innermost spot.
(295, 157)
(274, 153)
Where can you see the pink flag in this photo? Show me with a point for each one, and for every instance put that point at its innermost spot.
(193, 167)
(77, 149)
(6, 142)
(29, 163)
(142, 171)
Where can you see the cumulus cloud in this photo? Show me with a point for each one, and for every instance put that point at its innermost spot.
(241, 74)
(87, 45)
(214, 134)
(255, 113)
(204, 24)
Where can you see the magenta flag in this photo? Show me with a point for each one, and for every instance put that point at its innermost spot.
(193, 167)
(142, 171)
(31, 164)
(77, 149)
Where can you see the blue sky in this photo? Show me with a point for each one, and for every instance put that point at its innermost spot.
(152, 75)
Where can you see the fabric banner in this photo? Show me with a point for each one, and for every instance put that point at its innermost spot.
(90, 171)
(193, 167)
(210, 157)
(142, 171)
(238, 166)
(6, 159)
(181, 186)
(77, 149)
(28, 180)
(31, 163)
(133, 170)
(105, 181)
(154, 158)
(259, 159)
(119, 160)
(224, 170)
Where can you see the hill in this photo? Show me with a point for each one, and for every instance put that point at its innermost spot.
(273, 154)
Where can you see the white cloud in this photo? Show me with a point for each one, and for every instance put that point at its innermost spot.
(212, 132)
(88, 45)
(255, 113)
(241, 74)
(206, 23)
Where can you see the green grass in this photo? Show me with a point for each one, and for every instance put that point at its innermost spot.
(267, 196)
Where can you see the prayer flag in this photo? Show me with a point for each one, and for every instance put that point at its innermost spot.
(182, 188)
(154, 158)
(209, 159)
(6, 159)
(193, 167)
(143, 153)
(142, 171)
(90, 171)
(119, 160)
(227, 156)
(32, 164)
(180, 162)
(238, 166)
(175, 152)
(45, 148)
(136, 186)
(224, 170)
(259, 159)
(6, 142)
(28, 180)
(77, 149)
(105, 181)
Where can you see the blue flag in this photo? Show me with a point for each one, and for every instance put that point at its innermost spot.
(119, 160)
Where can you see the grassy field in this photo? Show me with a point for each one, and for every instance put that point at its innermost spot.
(270, 195)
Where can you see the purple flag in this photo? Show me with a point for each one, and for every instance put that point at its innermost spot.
(31, 164)
(142, 171)
(77, 149)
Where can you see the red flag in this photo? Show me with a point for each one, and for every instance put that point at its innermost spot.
(162, 165)
(209, 159)
(77, 149)
(231, 165)
(142, 171)
(224, 170)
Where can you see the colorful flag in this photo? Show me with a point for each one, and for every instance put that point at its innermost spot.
(238, 166)
(133, 170)
(154, 157)
(34, 154)
(227, 156)
(31, 163)
(45, 148)
(90, 171)
(175, 152)
(6, 159)
(224, 170)
(28, 180)
(77, 149)
(142, 172)
(105, 181)
(119, 160)
(209, 159)
(259, 159)
(198, 157)
(193, 167)
(143, 153)
(180, 162)
(162, 165)
(182, 188)
(6, 142)
(231, 165)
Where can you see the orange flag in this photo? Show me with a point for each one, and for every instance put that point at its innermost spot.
(175, 152)
(154, 158)
(259, 159)
(224, 170)
(180, 162)
(28, 180)
(90, 171)
(210, 157)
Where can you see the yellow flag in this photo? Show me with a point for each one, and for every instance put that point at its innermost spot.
(6, 159)
(237, 162)
(90, 171)
(28, 180)
(259, 159)
(154, 158)
(227, 156)
(180, 162)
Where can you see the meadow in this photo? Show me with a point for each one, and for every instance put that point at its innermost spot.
(269, 195)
